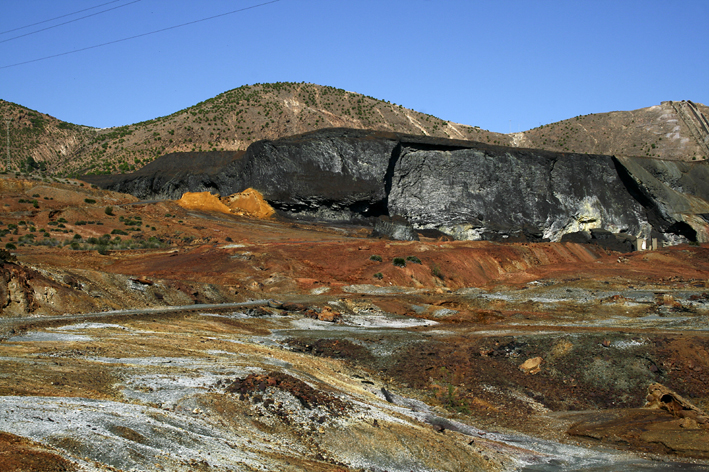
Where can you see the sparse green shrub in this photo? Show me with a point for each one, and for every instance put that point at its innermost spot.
(89, 200)
(436, 272)
(376, 258)
(119, 231)
(108, 211)
(414, 259)
(399, 262)
(378, 276)
(10, 246)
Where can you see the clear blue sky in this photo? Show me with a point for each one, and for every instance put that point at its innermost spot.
(502, 65)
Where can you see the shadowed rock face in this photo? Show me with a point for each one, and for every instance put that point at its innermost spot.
(466, 189)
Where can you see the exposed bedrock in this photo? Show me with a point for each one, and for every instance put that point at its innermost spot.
(465, 189)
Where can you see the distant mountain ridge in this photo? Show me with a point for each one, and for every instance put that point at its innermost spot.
(234, 119)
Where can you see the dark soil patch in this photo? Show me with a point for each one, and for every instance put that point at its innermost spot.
(577, 373)
(653, 431)
(129, 434)
(684, 361)
(334, 348)
(254, 386)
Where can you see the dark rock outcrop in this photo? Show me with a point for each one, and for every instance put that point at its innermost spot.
(171, 175)
(465, 189)
(618, 242)
(396, 228)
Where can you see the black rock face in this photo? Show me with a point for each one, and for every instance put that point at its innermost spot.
(169, 176)
(336, 175)
(482, 192)
(465, 189)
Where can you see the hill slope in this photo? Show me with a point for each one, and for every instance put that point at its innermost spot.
(39, 138)
(671, 130)
(234, 119)
(229, 122)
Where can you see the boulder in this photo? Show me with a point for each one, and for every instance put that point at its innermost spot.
(531, 366)
(660, 397)
(394, 228)
(327, 314)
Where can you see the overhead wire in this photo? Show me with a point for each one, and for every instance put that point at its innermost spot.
(59, 17)
(138, 35)
(67, 22)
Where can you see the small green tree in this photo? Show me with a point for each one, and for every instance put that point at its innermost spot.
(109, 210)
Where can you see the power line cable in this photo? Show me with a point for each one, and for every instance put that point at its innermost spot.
(59, 17)
(67, 22)
(137, 36)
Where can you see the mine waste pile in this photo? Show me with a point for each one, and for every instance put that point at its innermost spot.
(351, 300)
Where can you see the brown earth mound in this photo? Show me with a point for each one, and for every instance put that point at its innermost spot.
(254, 385)
(22, 455)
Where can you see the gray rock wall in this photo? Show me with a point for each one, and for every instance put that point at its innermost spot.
(484, 194)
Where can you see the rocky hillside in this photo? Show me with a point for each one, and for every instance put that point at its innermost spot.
(234, 119)
(38, 141)
(228, 122)
(671, 130)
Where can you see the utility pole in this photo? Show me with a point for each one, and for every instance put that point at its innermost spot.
(7, 127)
